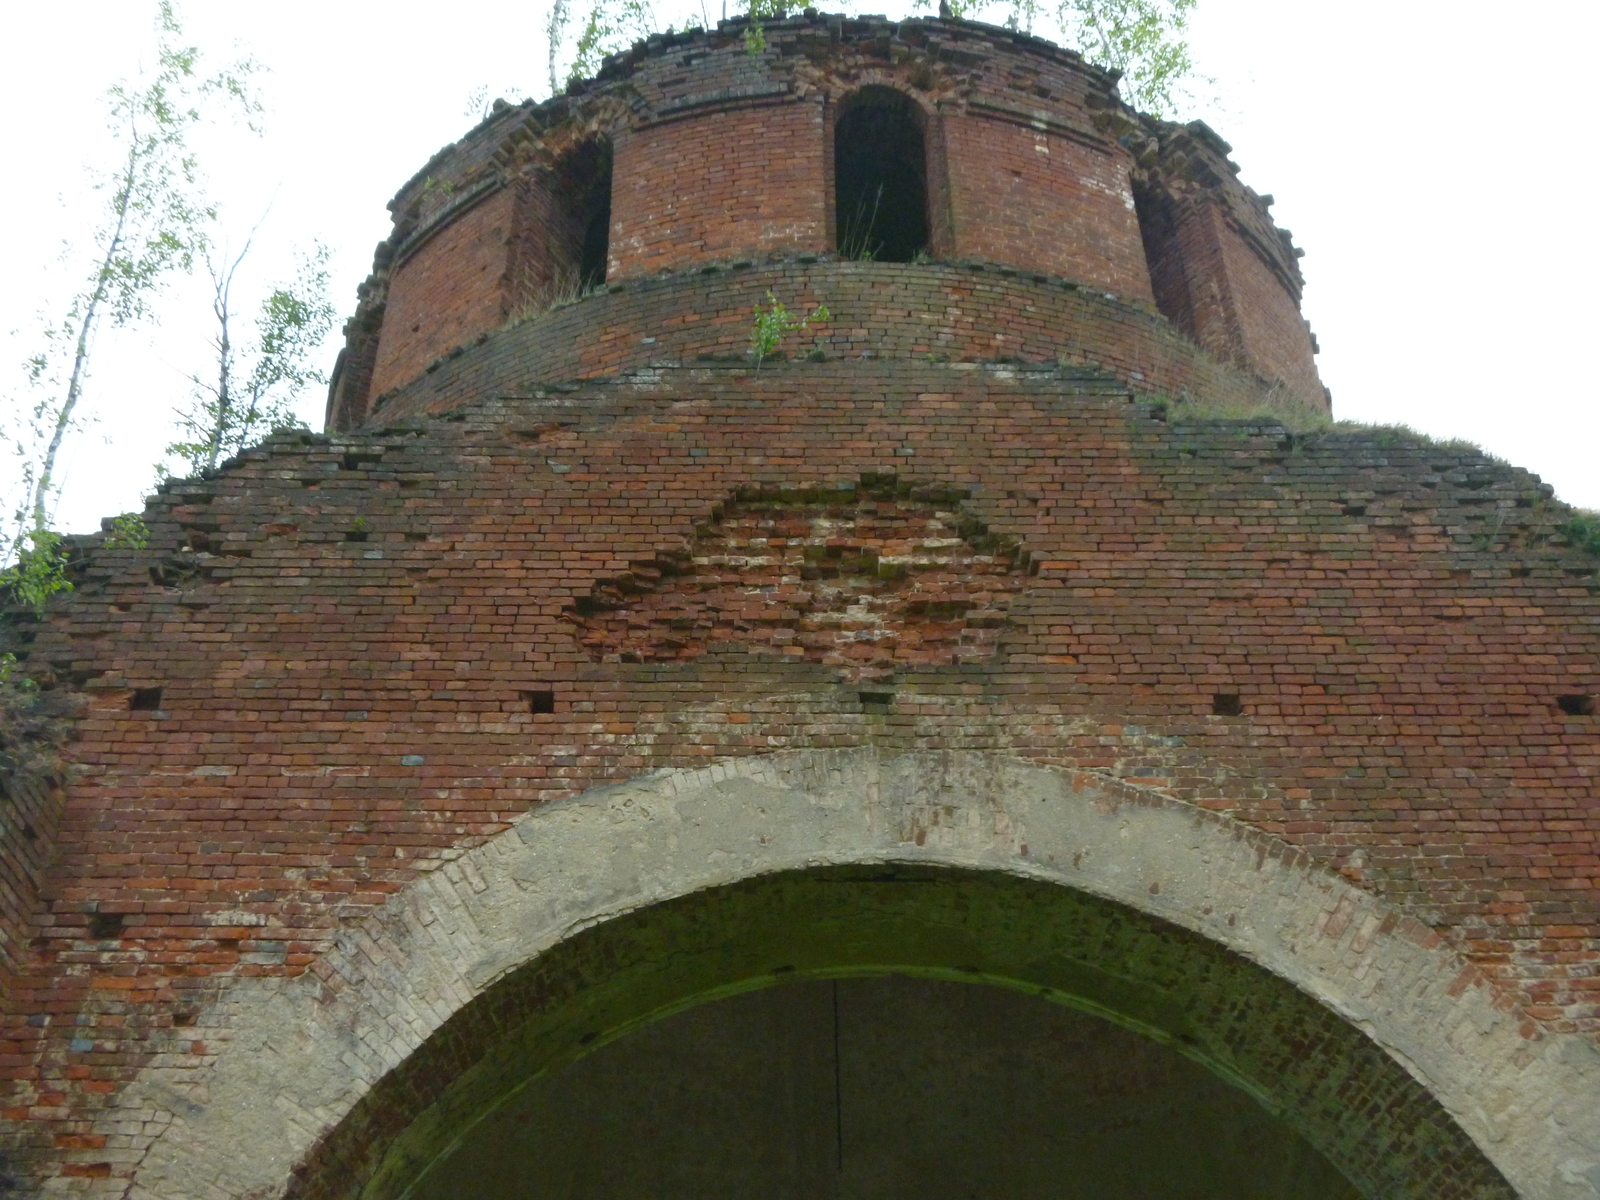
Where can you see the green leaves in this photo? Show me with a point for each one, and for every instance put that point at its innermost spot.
(611, 27)
(755, 35)
(155, 222)
(39, 572)
(1143, 39)
(774, 321)
(254, 386)
(1582, 531)
(128, 532)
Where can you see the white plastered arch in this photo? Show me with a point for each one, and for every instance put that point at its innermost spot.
(301, 1052)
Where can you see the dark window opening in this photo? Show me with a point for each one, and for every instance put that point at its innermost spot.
(596, 242)
(540, 701)
(145, 699)
(1226, 704)
(580, 237)
(876, 702)
(1576, 705)
(880, 177)
(1163, 255)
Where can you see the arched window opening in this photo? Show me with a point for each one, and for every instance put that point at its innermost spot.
(880, 177)
(580, 237)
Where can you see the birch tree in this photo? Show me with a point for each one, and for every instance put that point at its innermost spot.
(155, 222)
(253, 384)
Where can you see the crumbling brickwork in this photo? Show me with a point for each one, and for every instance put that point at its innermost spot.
(866, 577)
(343, 668)
(981, 508)
(722, 157)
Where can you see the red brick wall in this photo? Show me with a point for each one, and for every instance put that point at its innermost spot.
(344, 670)
(32, 809)
(1044, 201)
(447, 290)
(1274, 337)
(1212, 283)
(723, 184)
(908, 312)
(1030, 162)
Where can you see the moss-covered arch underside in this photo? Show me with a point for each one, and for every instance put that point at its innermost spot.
(1308, 1066)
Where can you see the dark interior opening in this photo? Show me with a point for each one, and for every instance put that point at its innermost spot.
(104, 925)
(145, 699)
(881, 1089)
(1226, 704)
(1576, 705)
(1158, 229)
(880, 177)
(541, 701)
(580, 241)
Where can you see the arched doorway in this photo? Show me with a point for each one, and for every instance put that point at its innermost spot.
(881, 1088)
(1356, 1030)
(1312, 1075)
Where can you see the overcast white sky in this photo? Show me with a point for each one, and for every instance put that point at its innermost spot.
(1433, 158)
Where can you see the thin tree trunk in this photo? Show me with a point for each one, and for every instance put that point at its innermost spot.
(219, 305)
(80, 359)
(222, 286)
(556, 27)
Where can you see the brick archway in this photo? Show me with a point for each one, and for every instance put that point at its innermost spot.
(1319, 999)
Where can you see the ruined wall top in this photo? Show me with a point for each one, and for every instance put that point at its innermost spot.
(691, 150)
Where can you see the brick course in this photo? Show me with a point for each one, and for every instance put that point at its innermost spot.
(345, 647)
(446, 289)
(721, 156)
(358, 655)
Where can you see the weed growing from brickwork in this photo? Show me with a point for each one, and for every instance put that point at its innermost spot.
(1582, 529)
(855, 241)
(32, 726)
(40, 568)
(774, 321)
(755, 35)
(1144, 41)
(565, 290)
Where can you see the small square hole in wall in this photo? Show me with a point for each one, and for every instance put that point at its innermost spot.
(104, 925)
(1226, 704)
(1576, 705)
(876, 702)
(540, 701)
(145, 699)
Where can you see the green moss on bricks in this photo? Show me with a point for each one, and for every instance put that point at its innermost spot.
(1299, 1060)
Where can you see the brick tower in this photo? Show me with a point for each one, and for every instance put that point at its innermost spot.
(935, 751)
